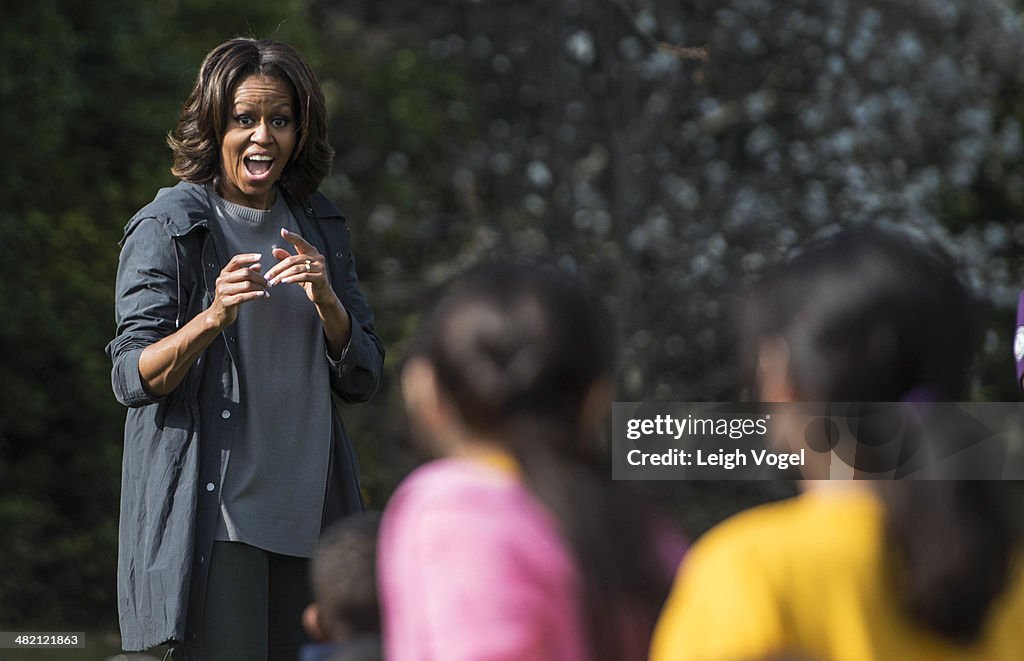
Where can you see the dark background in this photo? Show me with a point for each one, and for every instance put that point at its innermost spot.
(668, 151)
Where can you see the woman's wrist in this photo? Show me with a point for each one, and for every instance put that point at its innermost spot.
(211, 321)
(332, 309)
(337, 325)
(216, 319)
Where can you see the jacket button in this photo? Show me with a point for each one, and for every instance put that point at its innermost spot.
(338, 255)
(210, 486)
(225, 414)
(202, 559)
(309, 211)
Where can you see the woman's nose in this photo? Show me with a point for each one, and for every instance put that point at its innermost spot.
(261, 134)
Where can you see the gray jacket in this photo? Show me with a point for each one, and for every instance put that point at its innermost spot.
(171, 255)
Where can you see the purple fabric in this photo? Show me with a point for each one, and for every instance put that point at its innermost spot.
(1018, 338)
(317, 651)
(921, 394)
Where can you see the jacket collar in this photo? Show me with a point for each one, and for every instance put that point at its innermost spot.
(186, 206)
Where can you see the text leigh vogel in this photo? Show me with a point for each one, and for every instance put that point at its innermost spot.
(725, 459)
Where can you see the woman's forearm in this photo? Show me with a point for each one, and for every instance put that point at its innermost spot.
(164, 364)
(337, 326)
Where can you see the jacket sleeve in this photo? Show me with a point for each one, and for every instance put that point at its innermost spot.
(357, 376)
(146, 305)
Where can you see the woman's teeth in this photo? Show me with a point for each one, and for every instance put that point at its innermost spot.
(258, 164)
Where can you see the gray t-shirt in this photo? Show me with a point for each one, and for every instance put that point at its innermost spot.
(276, 472)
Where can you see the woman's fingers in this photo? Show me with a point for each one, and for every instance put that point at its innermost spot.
(302, 246)
(241, 261)
(235, 300)
(251, 274)
(295, 265)
(241, 267)
(282, 264)
(303, 272)
(305, 268)
(241, 280)
(227, 288)
(304, 252)
(230, 294)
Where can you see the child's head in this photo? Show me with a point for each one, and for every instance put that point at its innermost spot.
(507, 343)
(864, 315)
(344, 578)
(870, 316)
(518, 360)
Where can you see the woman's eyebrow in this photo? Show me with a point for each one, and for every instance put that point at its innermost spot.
(276, 106)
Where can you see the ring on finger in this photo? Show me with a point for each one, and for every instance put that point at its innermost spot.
(309, 266)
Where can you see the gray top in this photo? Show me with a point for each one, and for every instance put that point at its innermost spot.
(276, 472)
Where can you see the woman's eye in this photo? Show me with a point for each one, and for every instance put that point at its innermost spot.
(244, 120)
(280, 122)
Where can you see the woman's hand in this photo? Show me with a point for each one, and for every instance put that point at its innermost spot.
(240, 281)
(307, 268)
(164, 364)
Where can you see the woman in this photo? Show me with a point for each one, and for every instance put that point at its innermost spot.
(856, 570)
(515, 545)
(238, 316)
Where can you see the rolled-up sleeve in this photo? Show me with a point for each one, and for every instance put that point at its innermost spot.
(146, 305)
(356, 376)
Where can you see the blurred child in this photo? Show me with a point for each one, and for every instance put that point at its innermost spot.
(345, 618)
(516, 544)
(854, 570)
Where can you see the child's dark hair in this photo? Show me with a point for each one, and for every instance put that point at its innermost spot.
(518, 349)
(865, 315)
(868, 315)
(344, 577)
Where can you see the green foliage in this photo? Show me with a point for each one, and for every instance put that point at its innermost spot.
(523, 129)
(88, 92)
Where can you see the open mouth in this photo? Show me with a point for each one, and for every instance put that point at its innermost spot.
(258, 166)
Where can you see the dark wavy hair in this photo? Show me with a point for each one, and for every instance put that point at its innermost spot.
(517, 348)
(196, 140)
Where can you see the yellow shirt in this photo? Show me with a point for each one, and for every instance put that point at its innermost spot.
(808, 577)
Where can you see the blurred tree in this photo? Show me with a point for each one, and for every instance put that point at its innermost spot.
(611, 140)
(673, 152)
(669, 151)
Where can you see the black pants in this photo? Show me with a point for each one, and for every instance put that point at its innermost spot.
(254, 604)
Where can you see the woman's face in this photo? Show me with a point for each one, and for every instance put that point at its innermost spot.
(259, 139)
